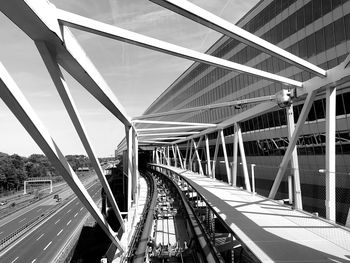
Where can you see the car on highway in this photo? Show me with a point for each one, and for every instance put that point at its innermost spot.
(3, 202)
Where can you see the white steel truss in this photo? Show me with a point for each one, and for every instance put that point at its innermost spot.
(47, 27)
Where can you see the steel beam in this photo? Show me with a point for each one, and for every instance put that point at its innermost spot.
(113, 32)
(68, 101)
(185, 162)
(167, 134)
(134, 164)
(209, 107)
(197, 154)
(174, 123)
(330, 153)
(180, 158)
(199, 15)
(243, 158)
(207, 150)
(129, 139)
(19, 106)
(235, 154)
(287, 155)
(298, 203)
(177, 128)
(174, 155)
(227, 165)
(217, 144)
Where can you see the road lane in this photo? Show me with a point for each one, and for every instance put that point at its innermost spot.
(45, 242)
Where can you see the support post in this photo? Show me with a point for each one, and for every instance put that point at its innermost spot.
(197, 154)
(50, 186)
(216, 154)
(180, 158)
(168, 155)
(292, 142)
(208, 156)
(244, 161)
(227, 165)
(330, 153)
(186, 155)
(128, 133)
(235, 153)
(174, 155)
(298, 204)
(190, 157)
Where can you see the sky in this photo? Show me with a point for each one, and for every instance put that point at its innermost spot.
(137, 76)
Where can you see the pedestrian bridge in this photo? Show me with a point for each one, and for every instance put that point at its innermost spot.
(272, 231)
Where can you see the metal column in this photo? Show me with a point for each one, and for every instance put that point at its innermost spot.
(235, 153)
(208, 156)
(330, 153)
(244, 161)
(298, 204)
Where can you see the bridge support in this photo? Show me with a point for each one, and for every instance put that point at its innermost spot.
(235, 153)
(330, 153)
(227, 165)
(207, 150)
(243, 159)
(292, 142)
(294, 163)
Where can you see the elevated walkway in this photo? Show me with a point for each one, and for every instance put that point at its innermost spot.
(272, 231)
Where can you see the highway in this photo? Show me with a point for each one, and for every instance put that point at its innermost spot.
(43, 244)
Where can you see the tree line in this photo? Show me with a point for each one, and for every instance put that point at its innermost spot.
(15, 169)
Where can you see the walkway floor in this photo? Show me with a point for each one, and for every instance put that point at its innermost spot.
(272, 231)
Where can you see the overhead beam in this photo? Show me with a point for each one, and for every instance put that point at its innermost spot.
(143, 131)
(166, 134)
(40, 23)
(20, 107)
(113, 32)
(199, 15)
(174, 123)
(209, 107)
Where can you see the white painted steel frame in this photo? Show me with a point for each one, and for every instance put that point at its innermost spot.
(207, 151)
(227, 165)
(330, 153)
(292, 142)
(208, 125)
(199, 15)
(294, 162)
(67, 99)
(196, 147)
(243, 158)
(19, 106)
(117, 33)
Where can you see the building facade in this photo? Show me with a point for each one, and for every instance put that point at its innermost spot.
(315, 30)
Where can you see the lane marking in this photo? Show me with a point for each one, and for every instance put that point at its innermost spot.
(77, 203)
(60, 232)
(75, 214)
(81, 208)
(69, 222)
(47, 245)
(40, 237)
(14, 259)
(22, 220)
(69, 211)
(57, 221)
(33, 260)
(38, 210)
(1, 233)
